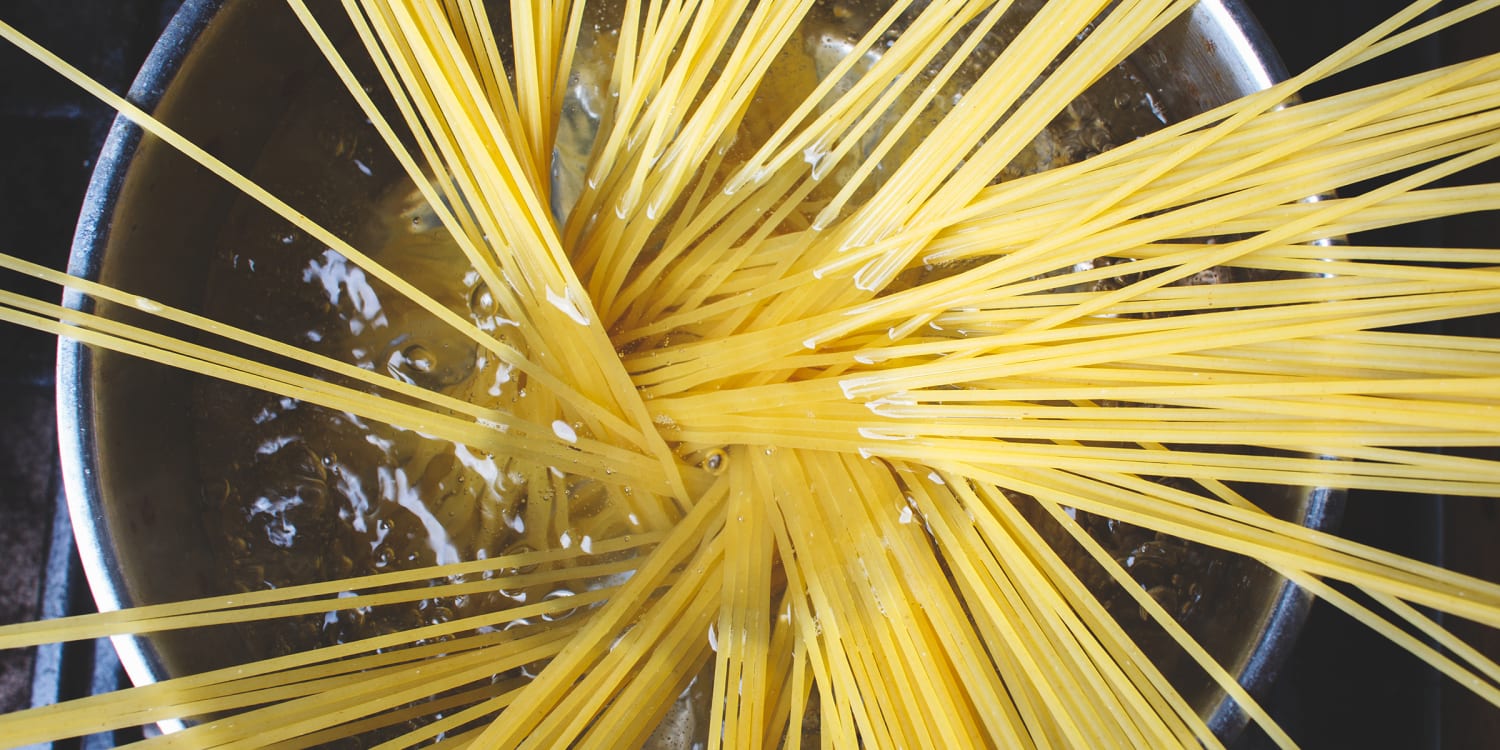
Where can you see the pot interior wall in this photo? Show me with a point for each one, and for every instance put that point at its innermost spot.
(159, 217)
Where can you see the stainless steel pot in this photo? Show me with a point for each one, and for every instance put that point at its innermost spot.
(150, 214)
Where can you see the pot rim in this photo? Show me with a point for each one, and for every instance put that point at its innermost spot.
(75, 397)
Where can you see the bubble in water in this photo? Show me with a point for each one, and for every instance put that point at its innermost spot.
(1156, 108)
(439, 615)
(716, 461)
(482, 303)
(521, 549)
(419, 359)
(445, 365)
(561, 614)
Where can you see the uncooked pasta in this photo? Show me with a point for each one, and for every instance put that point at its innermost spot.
(793, 373)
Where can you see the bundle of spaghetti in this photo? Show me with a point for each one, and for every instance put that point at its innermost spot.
(527, 447)
(1296, 383)
(858, 533)
(280, 695)
(848, 506)
(719, 290)
(1249, 107)
(922, 189)
(1056, 510)
(442, 145)
(359, 698)
(445, 193)
(1065, 518)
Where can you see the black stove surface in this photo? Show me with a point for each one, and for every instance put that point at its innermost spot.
(50, 134)
(1343, 686)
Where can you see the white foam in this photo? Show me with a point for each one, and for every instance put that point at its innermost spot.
(566, 303)
(564, 431)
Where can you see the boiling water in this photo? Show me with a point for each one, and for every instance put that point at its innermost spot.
(297, 493)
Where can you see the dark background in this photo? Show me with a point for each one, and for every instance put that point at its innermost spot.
(1343, 686)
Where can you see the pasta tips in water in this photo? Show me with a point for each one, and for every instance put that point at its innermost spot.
(821, 379)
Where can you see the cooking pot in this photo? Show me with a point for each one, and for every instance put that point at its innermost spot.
(225, 75)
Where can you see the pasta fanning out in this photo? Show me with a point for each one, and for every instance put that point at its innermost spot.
(839, 370)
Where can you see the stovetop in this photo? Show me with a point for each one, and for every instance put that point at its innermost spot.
(51, 136)
(1343, 686)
